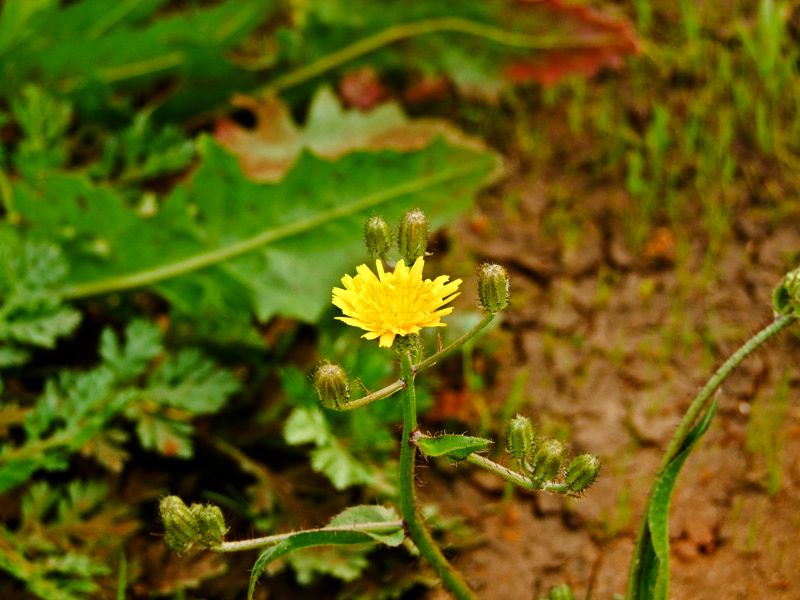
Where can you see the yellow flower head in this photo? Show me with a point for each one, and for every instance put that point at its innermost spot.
(392, 304)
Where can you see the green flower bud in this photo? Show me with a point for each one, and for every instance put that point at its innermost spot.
(377, 236)
(561, 592)
(548, 459)
(582, 472)
(413, 238)
(180, 525)
(520, 438)
(333, 385)
(787, 293)
(493, 287)
(210, 523)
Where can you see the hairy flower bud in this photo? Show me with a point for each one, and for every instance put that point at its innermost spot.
(493, 287)
(210, 523)
(180, 525)
(412, 240)
(520, 438)
(787, 293)
(548, 459)
(377, 236)
(333, 385)
(582, 472)
(561, 592)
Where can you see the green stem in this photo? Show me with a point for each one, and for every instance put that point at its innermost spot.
(271, 540)
(428, 362)
(417, 28)
(516, 478)
(433, 359)
(451, 578)
(697, 408)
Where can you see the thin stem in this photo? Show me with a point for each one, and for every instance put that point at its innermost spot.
(271, 540)
(381, 393)
(428, 362)
(698, 407)
(516, 478)
(434, 358)
(451, 578)
(417, 28)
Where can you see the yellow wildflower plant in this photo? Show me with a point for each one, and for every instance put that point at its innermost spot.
(392, 304)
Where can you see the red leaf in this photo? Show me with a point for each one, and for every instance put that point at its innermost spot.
(592, 41)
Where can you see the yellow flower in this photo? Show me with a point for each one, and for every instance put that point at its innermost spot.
(392, 304)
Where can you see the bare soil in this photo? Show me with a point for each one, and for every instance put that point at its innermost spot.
(613, 344)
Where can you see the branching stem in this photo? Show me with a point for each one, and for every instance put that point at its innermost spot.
(451, 578)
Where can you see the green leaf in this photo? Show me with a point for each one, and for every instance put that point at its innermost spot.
(142, 344)
(224, 242)
(31, 312)
(454, 447)
(347, 529)
(340, 466)
(305, 426)
(190, 382)
(654, 574)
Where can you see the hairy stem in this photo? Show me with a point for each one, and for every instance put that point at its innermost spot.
(514, 477)
(697, 408)
(271, 540)
(434, 358)
(428, 362)
(451, 578)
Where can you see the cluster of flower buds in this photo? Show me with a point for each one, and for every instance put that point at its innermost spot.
(184, 525)
(543, 459)
(787, 294)
(412, 235)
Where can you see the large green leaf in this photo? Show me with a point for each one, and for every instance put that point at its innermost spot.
(223, 243)
(74, 46)
(356, 525)
(653, 583)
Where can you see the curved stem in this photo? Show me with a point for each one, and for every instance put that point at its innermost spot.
(434, 358)
(417, 28)
(271, 540)
(516, 478)
(451, 578)
(428, 362)
(698, 407)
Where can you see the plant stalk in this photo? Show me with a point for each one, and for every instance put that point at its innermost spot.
(697, 408)
(451, 578)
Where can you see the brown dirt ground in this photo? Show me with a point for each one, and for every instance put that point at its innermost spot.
(616, 371)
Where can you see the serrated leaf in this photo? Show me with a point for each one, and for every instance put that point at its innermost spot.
(31, 312)
(454, 447)
(166, 436)
(305, 426)
(141, 345)
(190, 382)
(340, 466)
(340, 536)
